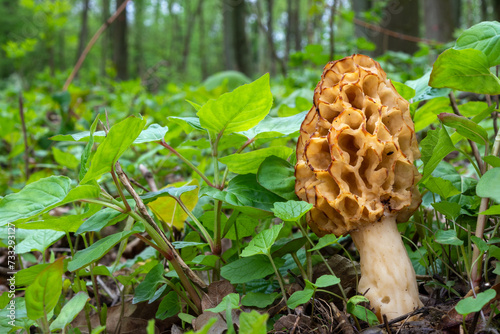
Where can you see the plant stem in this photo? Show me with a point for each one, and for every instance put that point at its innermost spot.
(299, 265)
(279, 277)
(117, 184)
(187, 162)
(197, 222)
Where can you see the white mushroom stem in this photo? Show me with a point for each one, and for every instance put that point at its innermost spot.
(387, 275)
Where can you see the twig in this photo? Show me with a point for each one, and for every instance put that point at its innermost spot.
(139, 185)
(387, 328)
(472, 144)
(25, 137)
(149, 177)
(94, 39)
(344, 323)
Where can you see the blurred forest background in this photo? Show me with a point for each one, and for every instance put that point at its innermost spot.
(165, 41)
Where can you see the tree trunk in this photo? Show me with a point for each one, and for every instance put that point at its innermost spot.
(202, 44)
(190, 22)
(105, 37)
(139, 37)
(84, 30)
(439, 22)
(401, 16)
(120, 48)
(270, 37)
(496, 10)
(236, 49)
(332, 29)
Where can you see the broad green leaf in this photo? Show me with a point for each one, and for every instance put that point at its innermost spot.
(276, 126)
(98, 249)
(101, 219)
(485, 37)
(42, 295)
(423, 91)
(70, 311)
(169, 211)
(466, 70)
(291, 211)
(480, 243)
(118, 140)
(253, 322)
(147, 288)
(448, 237)
(231, 300)
(492, 160)
(80, 136)
(69, 223)
(168, 191)
(154, 132)
(169, 306)
(435, 147)
(33, 199)
(26, 276)
(493, 210)
(65, 159)
(206, 260)
(291, 246)
(326, 280)
(188, 318)
(278, 176)
(444, 188)
(262, 242)
(465, 127)
(246, 225)
(187, 123)
(184, 244)
(248, 269)
(38, 240)
(487, 185)
(427, 114)
(230, 79)
(405, 91)
(361, 312)
(325, 240)
(472, 108)
(87, 151)
(244, 163)
(244, 191)
(300, 297)
(238, 110)
(471, 305)
(450, 209)
(258, 299)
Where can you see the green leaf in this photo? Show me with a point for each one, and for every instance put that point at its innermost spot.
(118, 140)
(450, 209)
(169, 306)
(231, 300)
(244, 191)
(405, 91)
(206, 260)
(444, 188)
(81, 136)
(101, 219)
(98, 249)
(26, 276)
(70, 311)
(231, 79)
(326, 240)
(278, 176)
(188, 318)
(65, 159)
(427, 114)
(187, 123)
(262, 242)
(34, 199)
(480, 243)
(258, 299)
(168, 191)
(154, 132)
(238, 110)
(275, 126)
(423, 91)
(248, 269)
(485, 37)
(38, 240)
(244, 163)
(327, 280)
(435, 147)
(465, 127)
(493, 210)
(147, 288)
(448, 237)
(473, 108)
(43, 294)
(87, 151)
(487, 185)
(291, 211)
(471, 305)
(466, 70)
(300, 297)
(361, 312)
(184, 244)
(291, 246)
(253, 323)
(492, 160)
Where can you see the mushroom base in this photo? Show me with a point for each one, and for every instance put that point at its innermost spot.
(387, 275)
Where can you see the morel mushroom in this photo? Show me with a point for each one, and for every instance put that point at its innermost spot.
(355, 159)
